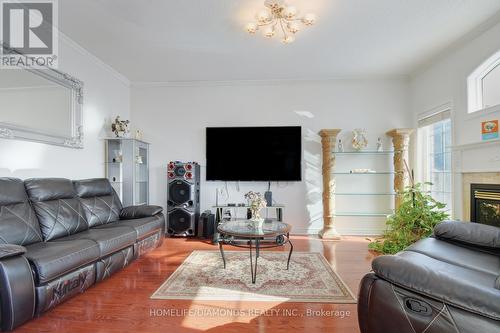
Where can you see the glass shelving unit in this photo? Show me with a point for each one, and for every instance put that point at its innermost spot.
(364, 152)
(365, 173)
(360, 194)
(127, 168)
(381, 197)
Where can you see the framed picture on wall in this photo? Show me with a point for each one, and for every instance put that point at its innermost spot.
(489, 129)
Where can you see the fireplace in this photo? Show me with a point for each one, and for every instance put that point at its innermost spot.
(485, 204)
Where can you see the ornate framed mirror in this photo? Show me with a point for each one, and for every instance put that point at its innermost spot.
(42, 105)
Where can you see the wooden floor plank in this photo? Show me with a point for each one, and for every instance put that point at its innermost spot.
(122, 304)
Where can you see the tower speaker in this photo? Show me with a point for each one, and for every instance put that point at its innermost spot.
(206, 225)
(183, 198)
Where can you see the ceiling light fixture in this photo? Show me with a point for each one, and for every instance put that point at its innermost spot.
(279, 17)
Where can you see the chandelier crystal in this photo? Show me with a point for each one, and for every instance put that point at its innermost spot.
(279, 18)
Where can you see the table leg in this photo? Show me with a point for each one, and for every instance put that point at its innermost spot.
(222, 254)
(290, 253)
(257, 250)
(253, 266)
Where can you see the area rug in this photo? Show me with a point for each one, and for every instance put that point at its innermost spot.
(202, 277)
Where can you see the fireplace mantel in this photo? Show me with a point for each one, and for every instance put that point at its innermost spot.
(476, 145)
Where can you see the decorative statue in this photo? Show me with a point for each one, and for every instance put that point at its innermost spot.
(359, 140)
(256, 202)
(340, 148)
(120, 127)
(379, 145)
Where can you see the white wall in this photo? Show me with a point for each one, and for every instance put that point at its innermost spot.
(174, 119)
(106, 94)
(445, 81)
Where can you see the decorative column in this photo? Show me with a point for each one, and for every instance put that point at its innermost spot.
(328, 141)
(400, 141)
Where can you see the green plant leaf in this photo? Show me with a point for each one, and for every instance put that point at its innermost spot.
(415, 219)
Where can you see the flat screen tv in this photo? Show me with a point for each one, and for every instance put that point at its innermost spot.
(254, 153)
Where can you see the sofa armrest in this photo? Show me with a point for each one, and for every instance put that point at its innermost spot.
(11, 250)
(439, 285)
(17, 287)
(472, 234)
(137, 212)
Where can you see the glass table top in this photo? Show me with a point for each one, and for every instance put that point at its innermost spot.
(247, 228)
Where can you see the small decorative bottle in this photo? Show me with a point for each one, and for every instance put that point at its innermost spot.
(379, 145)
(340, 147)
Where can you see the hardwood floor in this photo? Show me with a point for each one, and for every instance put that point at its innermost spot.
(122, 304)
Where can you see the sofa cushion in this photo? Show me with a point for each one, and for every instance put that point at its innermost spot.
(100, 201)
(59, 212)
(12, 191)
(18, 222)
(143, 227)
(46, 189)
(96, 187)
(109, 240)
(457, 255)
(54, 259)
(59, 218)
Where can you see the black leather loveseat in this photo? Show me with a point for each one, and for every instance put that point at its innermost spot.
(443, 284)
(58, 237)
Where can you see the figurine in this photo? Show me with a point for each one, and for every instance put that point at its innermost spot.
(138, 134)
(379, 145)
(359, 140)
(340, 147)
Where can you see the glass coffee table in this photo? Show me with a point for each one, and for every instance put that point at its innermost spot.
(246, 234)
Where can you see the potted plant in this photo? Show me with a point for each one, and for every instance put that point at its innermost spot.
(414, 219)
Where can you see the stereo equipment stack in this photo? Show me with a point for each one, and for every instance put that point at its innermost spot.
(183, 203)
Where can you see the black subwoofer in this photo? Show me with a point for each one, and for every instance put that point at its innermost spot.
(180, 192)
(183, 200)
(181, 222)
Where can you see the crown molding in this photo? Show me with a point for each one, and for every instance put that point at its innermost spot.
(217, 83)
(84, 52)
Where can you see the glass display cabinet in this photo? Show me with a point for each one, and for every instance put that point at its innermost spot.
(127, 168)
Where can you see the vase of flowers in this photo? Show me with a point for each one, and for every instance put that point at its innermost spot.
(256, 202)
(120, 127)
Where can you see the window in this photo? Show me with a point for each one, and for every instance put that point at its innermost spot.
(434, 160)
(491, 88)
(483, 85)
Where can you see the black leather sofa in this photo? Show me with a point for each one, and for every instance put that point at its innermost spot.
(58, 237)
(447, 283)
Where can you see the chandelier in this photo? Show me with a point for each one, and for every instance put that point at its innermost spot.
(279, 18)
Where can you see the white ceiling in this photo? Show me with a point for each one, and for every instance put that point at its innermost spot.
(191, 40)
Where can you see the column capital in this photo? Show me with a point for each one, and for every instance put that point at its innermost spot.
(329, 132)
(400, 132)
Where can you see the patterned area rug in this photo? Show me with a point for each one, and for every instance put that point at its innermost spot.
(202, 277)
